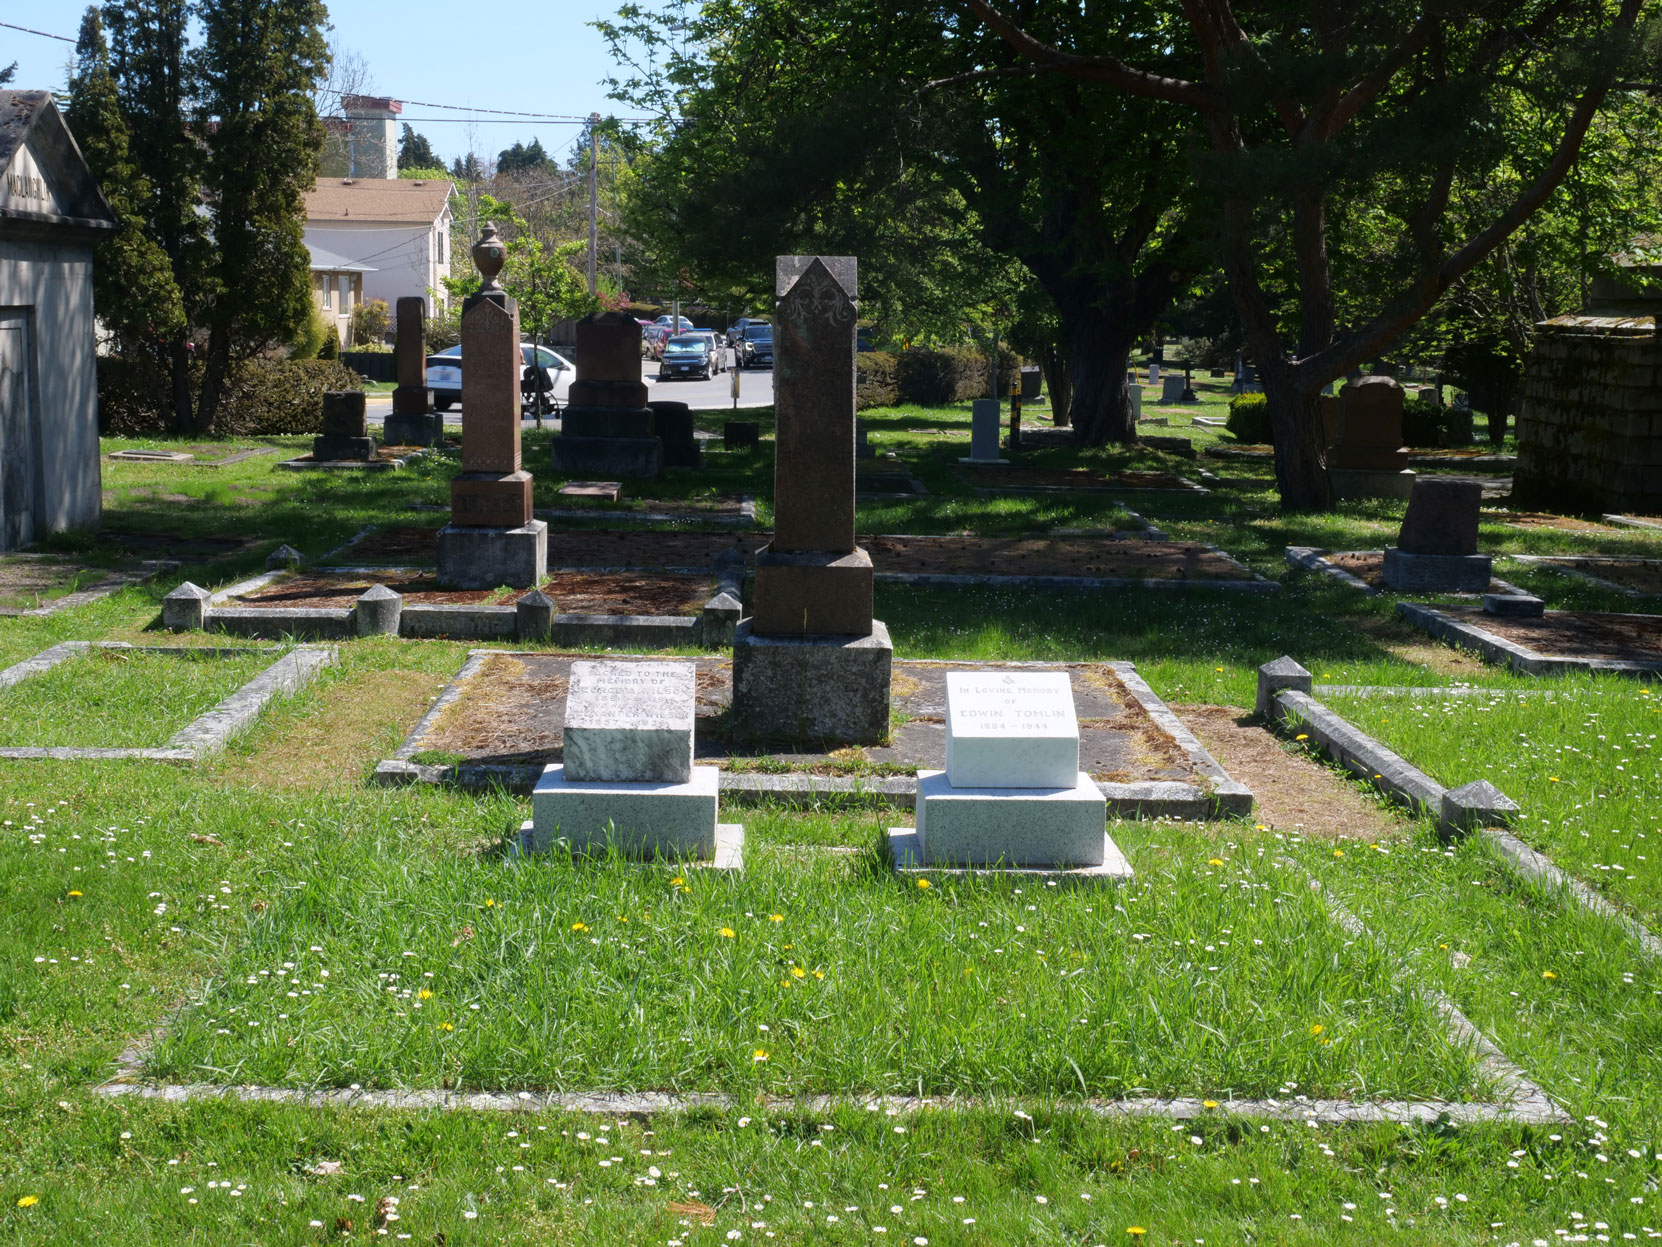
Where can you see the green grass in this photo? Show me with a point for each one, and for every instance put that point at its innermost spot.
(1584, 763)
(120, 699)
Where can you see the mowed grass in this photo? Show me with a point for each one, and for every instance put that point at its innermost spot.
(121, 698)
(1582, 756)
(1210, 976)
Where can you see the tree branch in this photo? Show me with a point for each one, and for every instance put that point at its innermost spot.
(975, 75)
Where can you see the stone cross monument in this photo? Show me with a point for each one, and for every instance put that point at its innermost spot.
(606, 429)
(413, 421)
(492, 538)
(812, 663)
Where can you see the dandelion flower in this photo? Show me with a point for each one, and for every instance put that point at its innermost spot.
(1317, 1028)
(424, 994)
(776, 917)
(489, 903)
(445, 1026)
(1209, 1104)
(579, 926)
(726, 933)
(1338, 852)
(797, 972)
(1548, 974)
(819, 974)
(1214, 861)
(73, 892)
(923, 883)
(1302, 736)
(761, 1054)
(28, 1201)
(676, 882)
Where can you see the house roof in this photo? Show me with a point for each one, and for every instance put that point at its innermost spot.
(326, 261)
(386, 200)
(47, 182)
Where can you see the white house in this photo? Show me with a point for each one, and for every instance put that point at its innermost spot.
(52, 215)
(391, 236)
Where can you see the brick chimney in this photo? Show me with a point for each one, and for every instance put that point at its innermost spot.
(372, 138)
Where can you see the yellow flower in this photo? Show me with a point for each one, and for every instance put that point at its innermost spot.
(579, 926)
(1302, 736)
(1317, 1029)
(923, 883)
(819, 974)
(761, 1054)
(676, 882)
(489, 904)
(726, 933)
(1262, 827)
(1136, 1231)
(1217, 668)
(1209, 1104)
(424, 994)
(73, 892)
(28, 1201)
(445, 1026)
(1552, 779)
(776, 917)
(1338, 852)
(1548, 974)
(797, 972)
(1214, 861)
(1442, 946)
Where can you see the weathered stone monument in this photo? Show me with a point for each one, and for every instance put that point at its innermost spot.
(984, 430)
(492, 538)
(811, 663)
(1367, 459)
(1136, 393)
(1436, 549)
(345, 434)
(607, 429)
(672, 424)
(413, 421)
(1012, 795)
(627, 778)
(1171, 389)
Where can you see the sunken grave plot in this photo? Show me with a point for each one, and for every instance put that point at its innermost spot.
(1552, 642)
(1636, 577)
(1368, 566)
(576, 592)
(499, 723)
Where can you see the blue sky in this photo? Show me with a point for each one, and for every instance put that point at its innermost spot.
(540, 57)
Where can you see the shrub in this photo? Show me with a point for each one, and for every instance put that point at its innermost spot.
(1423, 422)
(331, 346)
(1249, 419)
(308, 341)
(262, 396)
(876, 379)
(370, 323)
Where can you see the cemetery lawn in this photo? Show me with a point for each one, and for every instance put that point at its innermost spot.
(140, 899)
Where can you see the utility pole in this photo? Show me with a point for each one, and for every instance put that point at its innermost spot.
(594, 200)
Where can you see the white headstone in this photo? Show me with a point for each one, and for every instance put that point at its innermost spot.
(1154, 374)
(1136, 392)
(1172, 389)
(630, 722)
(1011, 729)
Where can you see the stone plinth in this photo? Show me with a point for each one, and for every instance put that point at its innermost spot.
(607, 422)
(813, 593)
(961, 826)
(345, 428)
(984, 430)
(490, 500)
(824, 689)
(1514, 605)
(672, 425)
(484, 558)
(1011, 729)
(630, 721)
(1371, 483)
(740, 435)
(1442, 517)
(639, 457)
(606, 428)
(343, 449)
(641, 819)
(1370, 428)
(1437, 573)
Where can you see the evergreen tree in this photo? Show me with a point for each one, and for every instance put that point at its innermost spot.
(415, 152)
(467, 169)
(521, 158)
(7, 73)
(132, 282)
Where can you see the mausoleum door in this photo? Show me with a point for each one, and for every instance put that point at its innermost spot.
(18, 452)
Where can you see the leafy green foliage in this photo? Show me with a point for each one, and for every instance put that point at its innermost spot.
(415, 152)
(262, 396)
(1249, 419)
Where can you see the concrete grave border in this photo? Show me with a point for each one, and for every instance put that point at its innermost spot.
(1218, 796)
(746, 517)
(1315, 559)
(1555, 562)
(305, 463)
(1520, 658)
(204, 735)
(1633, 521)
(1284, 701)
(93, 593)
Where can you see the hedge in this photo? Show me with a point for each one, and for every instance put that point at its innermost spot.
(262, 397)
(1424, 423)
(927, 378)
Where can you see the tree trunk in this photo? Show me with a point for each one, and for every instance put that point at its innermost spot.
(1098, 350)
(213, 378)
(178, 367)
(1053, 363)
(1296, 429)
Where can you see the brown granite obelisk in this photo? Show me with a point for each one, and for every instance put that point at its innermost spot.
(812, 664)
(606, 428)
(492, 538)
(413, 421)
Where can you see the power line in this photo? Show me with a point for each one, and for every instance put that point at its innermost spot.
(508, 112)
(43, 34)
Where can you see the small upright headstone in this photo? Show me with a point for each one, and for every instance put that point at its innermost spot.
(984, 430)
(1436, 549)
(413, 421)
(1154, 374)
(672, 425)
(627, 778)
(607, 429)
(740, 435)
(345, 429)
(1012, 795)
(1367, 458)
(1135, 392)
(1172, 389)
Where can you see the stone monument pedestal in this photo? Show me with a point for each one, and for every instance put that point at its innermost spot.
(606, 429)
(345, 436)
(1431, 573)
(481, 557)
(984, 428)
(602, 454)
(813, 592)
(1372, 482)
(641, 818)
(827, 689)
(1436, 548)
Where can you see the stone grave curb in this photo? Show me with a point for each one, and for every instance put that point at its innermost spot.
(1632, 521)
(712, 628)
(1373, 762)
(1224, 797)
(204, 735)
(94, 593)
(1314, 559)
(1520, 658)
(304, 464)
(1553, 562)
(931, 580)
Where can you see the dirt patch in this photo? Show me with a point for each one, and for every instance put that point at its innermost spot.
(1069, 478)
(1575, 634)
(1368, 566)
(340, 735)
(1560, 523)
(1640, 575)
(1291, 791)
(574, 593)
(512, 711)
(577, 547)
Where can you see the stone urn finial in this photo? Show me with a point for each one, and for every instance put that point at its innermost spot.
(490, 253)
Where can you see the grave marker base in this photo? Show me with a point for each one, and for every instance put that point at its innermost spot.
(483, 558)
(906, 851)
(642, 818)
(822, 689)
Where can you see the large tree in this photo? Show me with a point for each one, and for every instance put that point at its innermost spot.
(415, 152)
(855, 124)
(1394, 105)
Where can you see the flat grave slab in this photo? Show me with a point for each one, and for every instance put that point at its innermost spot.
(385, 459)
(43, 584)
(1557, 641)
(500, 722)
(574, 592)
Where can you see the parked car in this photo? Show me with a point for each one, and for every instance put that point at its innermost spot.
(653, 338)
(688, 355)
(444, 375)
(755, 348)
(669, 322)
(718, 348)
(735, 331)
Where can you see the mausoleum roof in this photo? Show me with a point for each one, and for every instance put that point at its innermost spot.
(44, 180)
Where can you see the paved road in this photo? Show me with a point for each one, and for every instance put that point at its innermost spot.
(755, 390)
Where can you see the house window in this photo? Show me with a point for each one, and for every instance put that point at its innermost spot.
(345, 294)
(442, 245)
(328, 294)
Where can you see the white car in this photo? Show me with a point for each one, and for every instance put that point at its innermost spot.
(444, 374)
